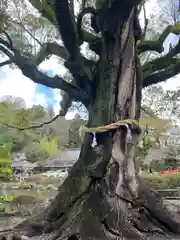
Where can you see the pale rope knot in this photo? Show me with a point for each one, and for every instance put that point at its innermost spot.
(112, 126)
(128, 137)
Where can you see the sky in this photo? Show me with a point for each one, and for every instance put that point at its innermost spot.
(12, 81)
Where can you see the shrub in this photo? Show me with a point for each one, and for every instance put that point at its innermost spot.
(171, 180)
(5, 164)
(158, 165)
(35, 153)
(42, 180)
(50, 146)
(41, 151)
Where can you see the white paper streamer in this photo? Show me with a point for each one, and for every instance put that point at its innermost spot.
(94, 142)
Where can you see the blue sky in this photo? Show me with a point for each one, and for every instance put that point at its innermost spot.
(14, 83)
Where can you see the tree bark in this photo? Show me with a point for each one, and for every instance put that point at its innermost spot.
(103, 197)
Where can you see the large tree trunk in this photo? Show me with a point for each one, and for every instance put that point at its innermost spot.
(103, 197)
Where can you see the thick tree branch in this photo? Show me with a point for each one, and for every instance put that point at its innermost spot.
(7, 62)
(8, 37)
(60, 51)
(158, 64)
(30, 70)
(7, 52)
(82, 70)
(7, 45)
(162, 75)
(158, 45)
(80, 74)
(78, 66)
(71, 7)
(67, 30)
(90, 37)
(71, 43)
(46, 10)
(51, 49)
(162, 62)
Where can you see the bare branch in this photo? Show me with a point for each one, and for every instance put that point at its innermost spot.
(7, 62)
(30, 34)
(162, 75)
(158, 45)
(148, 113)
(7, 52)
(158, 64)
(7, 45)
(51, 48)
(162, 62)
(8, 37)
(33, 126)
(65, 105)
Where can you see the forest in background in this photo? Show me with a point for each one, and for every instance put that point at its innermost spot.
(18, 135)
(20, 131)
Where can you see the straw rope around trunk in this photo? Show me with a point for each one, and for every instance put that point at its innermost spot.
(112, 126)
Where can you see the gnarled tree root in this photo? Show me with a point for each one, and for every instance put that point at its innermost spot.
(96, 215)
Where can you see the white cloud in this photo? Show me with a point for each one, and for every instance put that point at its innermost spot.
(13, 83)
(54, 65)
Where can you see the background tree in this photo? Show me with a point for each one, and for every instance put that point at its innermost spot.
(13, 113)
(161, 114)
(74, 138)
(104, 181)
(5, 163)
(15, 116)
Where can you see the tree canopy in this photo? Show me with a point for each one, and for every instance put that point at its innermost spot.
(28, 39)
